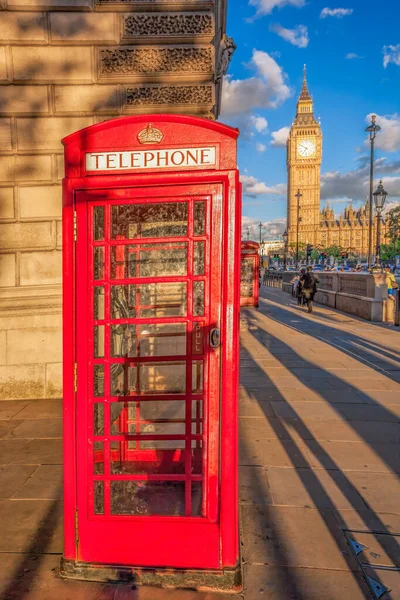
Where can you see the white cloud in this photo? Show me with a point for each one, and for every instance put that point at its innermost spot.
(352, 56)
(259, 123)
(280, 136)
(335, 12)
(265, 7)
(270, 229)
(389, 137)
(391, 54)
(266, 90)
(261, 148)
(297, 36)
(354, 185)
(253, 187)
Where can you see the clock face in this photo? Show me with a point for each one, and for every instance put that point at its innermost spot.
(306, 148)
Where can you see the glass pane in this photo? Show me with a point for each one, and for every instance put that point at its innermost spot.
(120, 416)
(129, 461)
(197, 457)
(148, 378)
(98, 302)
(122, 379)
(123, 301)
(199, 226)
(162, 339)
(123, 417)
(123, 340)
(198, 258)
(163, 299)
(123, 262)
(161, 260)
(98, 266)
(168, 219)
(98, 223)
(246, 279)
(99, 498)
(197, 377)
(98, 418)
(197, 495)
(99, 341)
(148, 498)
(98, 456)
(98, 380)
(162, 378)
(198, 298)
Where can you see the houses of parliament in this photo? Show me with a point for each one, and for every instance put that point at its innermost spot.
(318, 227)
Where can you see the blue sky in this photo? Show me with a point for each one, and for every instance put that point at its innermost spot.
(352, 52)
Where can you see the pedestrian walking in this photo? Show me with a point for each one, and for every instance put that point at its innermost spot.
(299, 290)
(295, 283)
(308, 282)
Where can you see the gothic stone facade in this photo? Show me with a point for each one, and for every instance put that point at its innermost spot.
(64, 65)
(304, 157)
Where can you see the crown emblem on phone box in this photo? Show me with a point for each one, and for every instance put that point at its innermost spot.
(150, 135)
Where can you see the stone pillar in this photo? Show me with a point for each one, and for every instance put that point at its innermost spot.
(64, 65)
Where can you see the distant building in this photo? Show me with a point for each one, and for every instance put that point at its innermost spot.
(304, 157)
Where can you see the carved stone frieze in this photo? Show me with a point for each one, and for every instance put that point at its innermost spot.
(170, 94)
(151, 60)
(172, 24)
(226, 49)
(154, 2)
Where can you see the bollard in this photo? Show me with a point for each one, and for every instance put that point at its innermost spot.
(397, 308)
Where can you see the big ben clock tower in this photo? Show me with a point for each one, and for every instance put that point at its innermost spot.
(304, 155)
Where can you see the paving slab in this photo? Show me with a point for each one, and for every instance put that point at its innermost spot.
(253, 486)
(10, 408)
(368, 520)
(9, 449)
(39, 452)
(276, 453)
(367, 412)
(379, 550)
(31, 525)
(347, 456)
(7, 426)
(355, 431)
(262, 428)
(278, 583)
(255, 408)
(45, 483)
(42, 409)
(37, 429)
(294, 537)
(381, 491)
(12, 479)
(390, 579)
(314, 488)
(306, 411)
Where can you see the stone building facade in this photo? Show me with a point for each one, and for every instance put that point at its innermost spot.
(320, 228)
(64, 65)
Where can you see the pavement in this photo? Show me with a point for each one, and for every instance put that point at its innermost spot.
(319, 468)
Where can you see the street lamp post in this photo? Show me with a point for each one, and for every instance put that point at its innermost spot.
(298, 196)
(372, 131)
(248, 233)
(379, 199)
(285, 238)
(260, 227)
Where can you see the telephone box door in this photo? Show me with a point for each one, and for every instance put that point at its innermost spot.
(148, 368)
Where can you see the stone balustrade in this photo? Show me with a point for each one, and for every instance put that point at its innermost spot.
(361, 294)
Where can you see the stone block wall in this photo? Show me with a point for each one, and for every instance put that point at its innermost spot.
(64, 65)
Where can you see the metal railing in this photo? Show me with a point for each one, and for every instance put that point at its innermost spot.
(273, 279)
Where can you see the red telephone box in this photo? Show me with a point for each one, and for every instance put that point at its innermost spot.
(249, 274)
(151, 235)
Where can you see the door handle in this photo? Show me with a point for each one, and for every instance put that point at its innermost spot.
(215, 338)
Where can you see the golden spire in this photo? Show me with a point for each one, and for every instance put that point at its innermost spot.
(305, 94)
